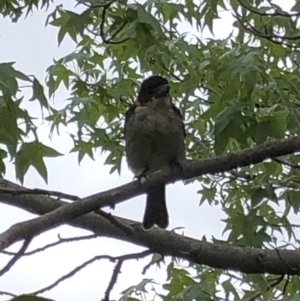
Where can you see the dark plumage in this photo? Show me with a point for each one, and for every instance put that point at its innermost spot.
(154, 137)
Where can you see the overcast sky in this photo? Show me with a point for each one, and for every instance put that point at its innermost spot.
(33, 47)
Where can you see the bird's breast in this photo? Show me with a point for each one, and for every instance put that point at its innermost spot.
(153, 138)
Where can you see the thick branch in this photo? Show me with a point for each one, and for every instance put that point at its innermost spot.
(247, 260)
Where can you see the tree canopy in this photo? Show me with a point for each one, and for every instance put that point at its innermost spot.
(240, 99)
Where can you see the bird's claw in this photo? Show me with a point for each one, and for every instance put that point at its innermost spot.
(176, 165)
(142, 176)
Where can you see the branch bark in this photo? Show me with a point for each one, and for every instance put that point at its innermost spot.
(247, 260)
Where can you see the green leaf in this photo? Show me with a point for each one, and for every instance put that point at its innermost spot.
(61, 22)
(3, 155)
(250, 81)
(296, 297)
(32, 154)
(228, 114)
(140, 287)
(83, 148)
(258, 195)
(38, 93)
(194, 292)
(230, 288)
(145, 17)
(8, 79)
(293, 198)
(296, 7)
(9, 131)
(57, 118)
(261, 281)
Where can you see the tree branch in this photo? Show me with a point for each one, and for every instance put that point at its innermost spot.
(274, 38)
(247, 260)
(118, 267)
(51, 245)
(20, 253)
(42, 192)
(120, 260)
(103, 18)
(260, 13)
(291, 165)
(7, 294)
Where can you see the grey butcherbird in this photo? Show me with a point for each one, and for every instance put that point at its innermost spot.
(154, 137)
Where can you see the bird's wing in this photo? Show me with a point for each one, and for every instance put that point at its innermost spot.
(178, 113)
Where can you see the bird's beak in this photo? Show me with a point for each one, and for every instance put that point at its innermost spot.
(162, 90)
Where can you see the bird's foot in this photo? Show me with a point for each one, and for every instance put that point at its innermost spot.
(142, 177)
(176, 166)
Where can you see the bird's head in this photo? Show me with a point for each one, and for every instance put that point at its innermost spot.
(154, 88)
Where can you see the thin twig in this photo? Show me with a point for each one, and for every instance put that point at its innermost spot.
(36, 191)
(284, 226)
(80, 267)
(105, 7)
(113, 279)
(238, 175)
(234, 276)
(151, 263)
(60, 241)
(272, 36)
(73, 272)
(248, 27)
(117, 270)
(115, 222)
(114, 35)
(292, 165)
(172, 73)
(16, 257)
(260, 13)
(286, 285)
(279, 255)
(272, 285)
(7, 293)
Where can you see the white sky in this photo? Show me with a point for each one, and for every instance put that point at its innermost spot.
(33, 47)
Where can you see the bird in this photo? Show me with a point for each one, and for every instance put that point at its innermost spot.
(154, 138)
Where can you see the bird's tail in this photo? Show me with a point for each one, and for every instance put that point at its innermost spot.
(156, 209)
